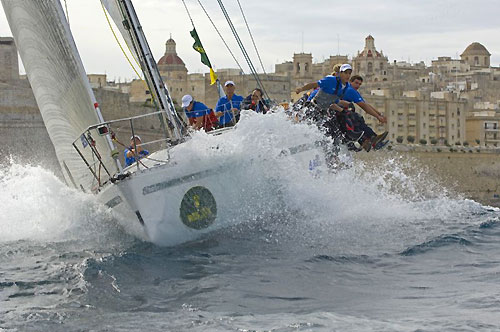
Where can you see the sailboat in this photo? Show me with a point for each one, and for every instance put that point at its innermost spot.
(167, 198)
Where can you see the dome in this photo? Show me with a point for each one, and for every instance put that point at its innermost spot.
(476, 49)
(170, 59)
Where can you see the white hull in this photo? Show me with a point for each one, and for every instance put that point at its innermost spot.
(179, 201)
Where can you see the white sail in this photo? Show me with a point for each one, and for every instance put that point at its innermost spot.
(114, 12)
(60, 86)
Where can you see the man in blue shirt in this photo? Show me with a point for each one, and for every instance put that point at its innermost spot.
(130, 153)
(228, 107)
(353, 96)
(198, 114)
(331, 88)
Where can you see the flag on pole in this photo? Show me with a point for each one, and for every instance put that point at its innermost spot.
(204, 58)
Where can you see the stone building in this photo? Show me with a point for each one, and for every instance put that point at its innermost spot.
(439, 117)
(9, 66)
(483, 124)
(370, 63)
(476, 55)
(173, 71)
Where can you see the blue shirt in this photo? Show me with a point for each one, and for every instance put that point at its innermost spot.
(199, 109)
(352, 95)
(225, 105)
(311, 96)
(131, 160)
(329, 84)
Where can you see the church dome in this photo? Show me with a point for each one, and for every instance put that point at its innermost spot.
(476, 49)
(170, 57)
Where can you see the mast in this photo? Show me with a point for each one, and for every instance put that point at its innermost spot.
(159, 90)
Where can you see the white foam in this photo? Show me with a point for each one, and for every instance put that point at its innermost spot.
(36, 205)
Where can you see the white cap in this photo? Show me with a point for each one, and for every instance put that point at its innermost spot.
(345, 67)
(136, 136)
(228, 83)
(186, 100)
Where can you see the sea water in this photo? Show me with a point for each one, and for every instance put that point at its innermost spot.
(363, 248)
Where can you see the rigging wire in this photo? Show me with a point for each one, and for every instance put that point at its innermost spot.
(189, 14)
(242, 47)
(251, 36)
(119, 44)
(222, 38)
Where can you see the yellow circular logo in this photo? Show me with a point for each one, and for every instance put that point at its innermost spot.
(198, 208)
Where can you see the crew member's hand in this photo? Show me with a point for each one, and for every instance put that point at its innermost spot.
(381, 118)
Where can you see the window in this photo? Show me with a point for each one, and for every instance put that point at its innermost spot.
(424, 125)
(476, 60)
(370, 67)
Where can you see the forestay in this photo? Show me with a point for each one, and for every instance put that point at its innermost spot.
(60, 85)
(114, 10)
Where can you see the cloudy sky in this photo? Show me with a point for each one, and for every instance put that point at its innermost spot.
(416, 30)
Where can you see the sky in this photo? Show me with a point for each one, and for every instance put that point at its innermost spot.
(412, 31)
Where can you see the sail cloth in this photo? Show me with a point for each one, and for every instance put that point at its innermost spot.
(60, 85)
(114, 10)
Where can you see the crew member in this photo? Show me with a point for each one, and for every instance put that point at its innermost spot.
(134, 150)
(228, 107)
(198, 114)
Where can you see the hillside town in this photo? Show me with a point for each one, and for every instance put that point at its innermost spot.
(451, 102)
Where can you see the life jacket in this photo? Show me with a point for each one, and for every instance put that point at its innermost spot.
(324, 99)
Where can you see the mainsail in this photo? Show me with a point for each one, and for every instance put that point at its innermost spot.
(60, 85)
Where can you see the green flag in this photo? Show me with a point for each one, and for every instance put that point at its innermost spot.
(204, 58)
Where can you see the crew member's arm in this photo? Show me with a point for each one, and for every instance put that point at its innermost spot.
(308, 86)
(372, 111)
(219, 108)
(131, 152)
(198, 123)
(336, 107)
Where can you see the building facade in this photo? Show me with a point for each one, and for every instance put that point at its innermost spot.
(413, 117)
(9, 65)
(370, 63)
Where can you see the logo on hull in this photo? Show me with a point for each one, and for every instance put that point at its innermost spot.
(198, 208)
